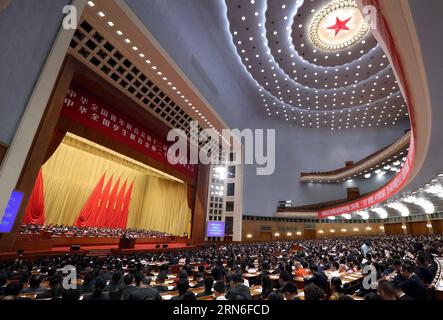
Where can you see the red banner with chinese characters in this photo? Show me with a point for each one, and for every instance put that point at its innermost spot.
(86, 109)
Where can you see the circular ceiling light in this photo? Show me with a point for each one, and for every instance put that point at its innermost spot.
(337, 26)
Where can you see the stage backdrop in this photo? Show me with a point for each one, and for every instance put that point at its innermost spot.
(158, 201)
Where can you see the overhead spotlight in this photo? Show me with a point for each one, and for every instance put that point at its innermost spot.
(382, 213)
(404, 211)
(364, 214)
(221, 171)
(427, 205)
(367, 175)
(435, 189)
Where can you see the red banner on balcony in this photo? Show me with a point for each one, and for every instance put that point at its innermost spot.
(382, 194)
(86, 109)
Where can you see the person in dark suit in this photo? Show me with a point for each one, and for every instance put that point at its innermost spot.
(3, 281)
(55, 289)
(396, 266)
(12, 291)
(116, 282)
(219, 290)
(199, 279)
(431, 265)
(146, 293)
(412, 284)
(98, 294)
(399, 294)
(313, 292)
(218, 272)
(182, 286)
(238, 289)
(208, 283)
(34, 285)
(88, 283)
(422, 271)
(289, 290)
(159, 282)
(71, 295)
(386, 290)
(267, 287)
(107, 275)
(318, 278)
(129, 286)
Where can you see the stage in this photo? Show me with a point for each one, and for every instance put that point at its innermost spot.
(34, 246)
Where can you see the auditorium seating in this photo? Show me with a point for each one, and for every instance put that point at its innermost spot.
(277, 262)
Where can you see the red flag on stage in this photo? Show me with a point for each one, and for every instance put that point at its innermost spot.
(125, 211)
(110, 210)
(88, 213)
(118, 206)
(101, 210)
(35, 212)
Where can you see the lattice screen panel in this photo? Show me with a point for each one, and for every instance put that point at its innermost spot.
(90, 47)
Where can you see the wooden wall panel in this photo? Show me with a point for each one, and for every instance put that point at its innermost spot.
(419, 227)
(393, 228)
(437, 226)
(309, 234)
(256, 229)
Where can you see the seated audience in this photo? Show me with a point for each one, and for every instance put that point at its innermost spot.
(393, 258)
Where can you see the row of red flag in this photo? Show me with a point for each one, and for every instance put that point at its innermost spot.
(105, 207)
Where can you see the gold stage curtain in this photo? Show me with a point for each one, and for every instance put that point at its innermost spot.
(158, 202)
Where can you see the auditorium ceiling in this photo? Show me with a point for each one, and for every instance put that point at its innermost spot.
(314, 63)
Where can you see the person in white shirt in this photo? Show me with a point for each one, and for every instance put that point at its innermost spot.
(365, 248)
(219, 290)
(335, 270)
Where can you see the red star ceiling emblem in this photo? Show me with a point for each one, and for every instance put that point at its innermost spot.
(339, 25)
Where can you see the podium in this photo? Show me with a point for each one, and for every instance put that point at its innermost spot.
(126, 243)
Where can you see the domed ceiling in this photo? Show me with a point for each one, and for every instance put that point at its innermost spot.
(315, 63)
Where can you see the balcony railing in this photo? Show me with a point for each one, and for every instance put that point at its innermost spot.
(363, 166)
